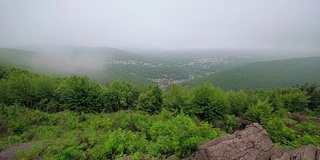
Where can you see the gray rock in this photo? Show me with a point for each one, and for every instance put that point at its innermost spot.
(252, 143)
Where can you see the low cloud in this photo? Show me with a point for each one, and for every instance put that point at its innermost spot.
(68, 64)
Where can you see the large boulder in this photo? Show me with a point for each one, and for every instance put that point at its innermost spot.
(307, 152)
(252, 143)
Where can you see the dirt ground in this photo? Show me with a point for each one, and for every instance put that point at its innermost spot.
(10, 153)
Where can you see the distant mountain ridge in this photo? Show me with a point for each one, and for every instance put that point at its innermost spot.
(266, 75)
(105, 64)
(61, 61)
(15, 57)
(101, 53)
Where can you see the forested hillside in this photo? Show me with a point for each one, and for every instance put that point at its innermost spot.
(153, 80)
(229, 69)
(101, 53)
(266, 75)
(65, 61)
(75, 118)
(15, 58)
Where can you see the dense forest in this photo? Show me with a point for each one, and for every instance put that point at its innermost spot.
(75, 118)
(226, 69)
(56, 64)
(265, 75)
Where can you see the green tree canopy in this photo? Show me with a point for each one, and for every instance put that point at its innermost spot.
(238, 102)
(209, 103)
(120, 95)
(313, 91)
(151, 100)
(25, 89)
(177, 99)
(292, 99)
(260, 112)
(79, 94)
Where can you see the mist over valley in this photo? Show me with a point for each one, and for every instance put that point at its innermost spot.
(160, 79)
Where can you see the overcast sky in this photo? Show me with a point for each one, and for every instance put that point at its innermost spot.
(162, 24)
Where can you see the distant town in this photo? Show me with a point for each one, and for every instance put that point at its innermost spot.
(166, 81)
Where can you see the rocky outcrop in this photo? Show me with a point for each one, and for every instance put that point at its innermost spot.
(308, 152)
(252, 143)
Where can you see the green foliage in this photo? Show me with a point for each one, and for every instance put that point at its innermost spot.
(144, 122)
(120, 143)
(280, 133)
(292, 99)
(25, 59)
(189, 136)
(177, 99)
(239, 102)
(3, 72)
(231, 123)
(22, 118)
(80, 95)
(16, 58)
(25, 89)
(261, 112)
(112, 73)
(308, 127)
(308, 131)
(265, 75)
(313, 92)
(34, 153)
(209, 103)
(68, 135)
(170, 72)
(307, 139)
(257, 95)
(70, 153)
(120, 96)
(151, 100)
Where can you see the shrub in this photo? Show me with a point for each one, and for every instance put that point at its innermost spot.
(280, 133)
(34, 153)
(261, 112)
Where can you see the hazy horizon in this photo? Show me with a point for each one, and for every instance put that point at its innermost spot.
(166, 25)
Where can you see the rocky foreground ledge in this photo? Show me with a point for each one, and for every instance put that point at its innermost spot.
(252, 143)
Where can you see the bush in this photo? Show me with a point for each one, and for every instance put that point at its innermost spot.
(69, 135)
(34, 153)
(231, 123)
(80, 95)
(261, 112)
(179, 135)
(280, 133)
(309, 139)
